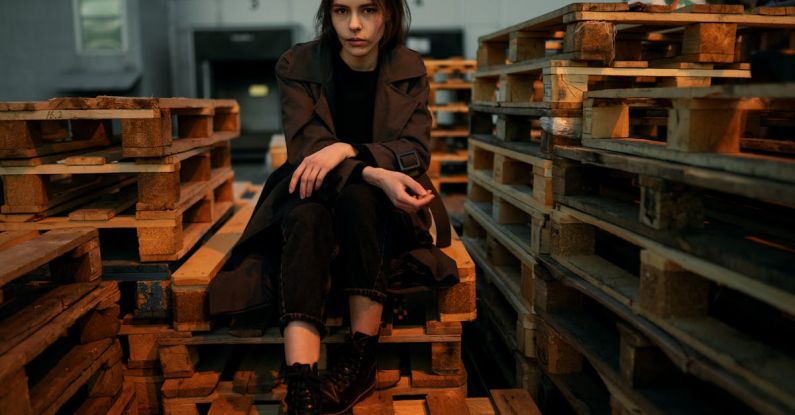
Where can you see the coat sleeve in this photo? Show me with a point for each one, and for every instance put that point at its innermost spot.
(410, 153)
(305, 132)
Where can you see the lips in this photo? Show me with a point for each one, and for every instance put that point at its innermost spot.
(357, 42)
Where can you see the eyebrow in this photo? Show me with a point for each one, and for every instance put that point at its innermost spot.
(372, 3)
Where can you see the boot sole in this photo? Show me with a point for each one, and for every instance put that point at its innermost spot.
(355, 401)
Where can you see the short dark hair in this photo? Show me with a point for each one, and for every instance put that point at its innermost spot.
(397, 18)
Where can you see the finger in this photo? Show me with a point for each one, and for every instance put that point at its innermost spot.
(297, 176)
(312, 182)
(408, 200)
(425, 200)
(305, 182)
(415, 187)
(320, 177)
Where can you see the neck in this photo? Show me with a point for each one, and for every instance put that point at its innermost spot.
(361, 63)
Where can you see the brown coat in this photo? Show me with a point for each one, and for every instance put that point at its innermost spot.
(401, 142)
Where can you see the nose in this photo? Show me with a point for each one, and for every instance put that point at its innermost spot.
(355, 24)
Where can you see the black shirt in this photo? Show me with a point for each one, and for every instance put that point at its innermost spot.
(354, 93)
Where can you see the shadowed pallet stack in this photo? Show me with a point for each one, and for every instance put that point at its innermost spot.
(58, 326)
(576, 341)
(450, 82)
(685, 232)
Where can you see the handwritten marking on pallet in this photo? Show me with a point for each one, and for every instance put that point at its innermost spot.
(78, 114)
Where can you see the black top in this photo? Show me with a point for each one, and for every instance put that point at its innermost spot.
(354, 104)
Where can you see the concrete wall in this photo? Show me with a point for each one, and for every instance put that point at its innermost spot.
(476, 17)
(38, 46)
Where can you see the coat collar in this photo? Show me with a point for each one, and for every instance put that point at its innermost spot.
(312, 62)
(396, 65)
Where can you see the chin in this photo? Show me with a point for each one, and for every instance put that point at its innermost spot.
(358, 52)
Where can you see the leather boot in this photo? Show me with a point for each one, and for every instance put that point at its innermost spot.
(303, 383)
(352, 377)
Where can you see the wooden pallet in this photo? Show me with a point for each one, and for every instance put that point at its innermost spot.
(34, 129)
(43, 367)
(569, 289)
(607, 33)
(455, 90)
(148, 285)
(672, 289)
(190, 281)
(547, 83)
(577, 339)
(163, 235)
(513, 283)
(740, 129)
(65, 183)
(448, 167)
(543, 128)
(501, 402)
(515, 172)
(450, 69)
(730, 240)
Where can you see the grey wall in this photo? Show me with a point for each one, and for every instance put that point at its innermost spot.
(38, 36)
(476, 17)
(38, 46)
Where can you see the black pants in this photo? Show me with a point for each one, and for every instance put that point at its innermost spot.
(348, 238)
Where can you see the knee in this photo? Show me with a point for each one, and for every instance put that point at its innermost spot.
(308, 217)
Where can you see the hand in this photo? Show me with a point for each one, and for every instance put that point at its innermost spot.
(404, 192)
(314, 168)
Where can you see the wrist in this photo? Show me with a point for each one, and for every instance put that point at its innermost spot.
(350, 150)
(371, 175)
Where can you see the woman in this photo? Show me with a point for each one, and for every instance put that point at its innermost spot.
(354, 108)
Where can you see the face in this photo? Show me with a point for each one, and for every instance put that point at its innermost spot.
(359, 25)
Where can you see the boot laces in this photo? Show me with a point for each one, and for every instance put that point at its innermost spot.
(302, 392)
(347, 368)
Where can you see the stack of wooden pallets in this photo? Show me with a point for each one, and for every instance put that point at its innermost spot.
(450, 82)
(633, 234)
(200, 362)
(58, 324)
(152, 176)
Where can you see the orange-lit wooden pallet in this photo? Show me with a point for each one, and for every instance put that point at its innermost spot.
(604, 33)
(742, 129)
(35, 129)
(160, 235)
(70, 182)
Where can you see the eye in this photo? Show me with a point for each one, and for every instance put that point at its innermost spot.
(370, 10)
(339, 10)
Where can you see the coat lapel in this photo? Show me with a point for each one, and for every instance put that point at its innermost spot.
(393, 107)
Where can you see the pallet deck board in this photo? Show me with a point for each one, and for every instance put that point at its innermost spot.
(27, 256)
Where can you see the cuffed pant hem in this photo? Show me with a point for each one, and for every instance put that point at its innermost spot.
(374, 295)
(288, 317)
